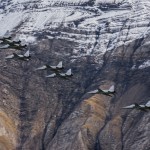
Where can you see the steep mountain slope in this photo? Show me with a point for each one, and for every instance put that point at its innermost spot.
(104, 43)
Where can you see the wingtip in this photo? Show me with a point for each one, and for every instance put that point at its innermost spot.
(91, 92)
(124, 107)
(47, 76)
(51, 75)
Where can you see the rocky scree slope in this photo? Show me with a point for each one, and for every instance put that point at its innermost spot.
(104, 44)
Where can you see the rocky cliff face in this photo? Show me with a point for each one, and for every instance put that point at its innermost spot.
(104, 44)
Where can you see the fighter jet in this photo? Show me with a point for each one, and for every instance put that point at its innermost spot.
(139, 107)
(133, 106)
(17, 46)
(53, 68)
(25, 56)
(51, 75)
(111, 91)
(66, 75)
(12, 44)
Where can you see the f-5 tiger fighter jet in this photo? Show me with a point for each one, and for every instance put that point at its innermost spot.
(66, 75)
(111, 91)
(25, 56)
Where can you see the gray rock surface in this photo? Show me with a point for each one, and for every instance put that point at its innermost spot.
(37, 113)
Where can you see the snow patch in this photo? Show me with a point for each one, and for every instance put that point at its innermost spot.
(146, 64)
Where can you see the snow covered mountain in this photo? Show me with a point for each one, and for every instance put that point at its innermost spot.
(105, 43)
(96, 26)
